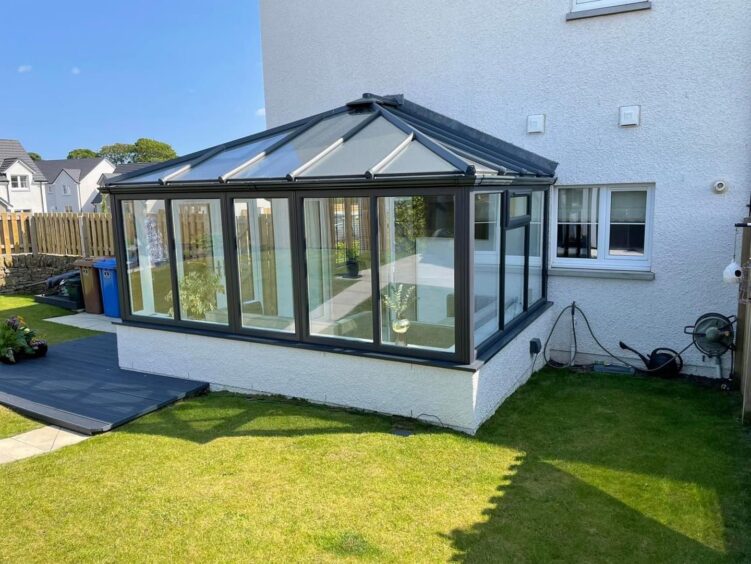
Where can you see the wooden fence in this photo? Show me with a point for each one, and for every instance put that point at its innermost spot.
(74, 234)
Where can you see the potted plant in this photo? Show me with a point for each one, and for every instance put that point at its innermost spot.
(397, 301)
(353, 264)
(198, 290)
(18, 341)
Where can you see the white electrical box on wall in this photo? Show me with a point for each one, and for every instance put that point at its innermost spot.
(536, 123)
(629, 116)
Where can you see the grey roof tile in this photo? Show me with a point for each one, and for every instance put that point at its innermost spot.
(11, 150)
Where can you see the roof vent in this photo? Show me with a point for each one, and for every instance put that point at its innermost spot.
(367, 99)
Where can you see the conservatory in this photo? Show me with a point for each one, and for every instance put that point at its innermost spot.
(379, 255)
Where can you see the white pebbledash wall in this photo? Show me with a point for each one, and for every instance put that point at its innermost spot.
(491, 64)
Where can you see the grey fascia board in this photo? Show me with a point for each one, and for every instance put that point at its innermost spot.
(609, 11)
(481, 138)
(602, 273)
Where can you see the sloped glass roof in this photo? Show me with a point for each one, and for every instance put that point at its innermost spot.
(368, 138)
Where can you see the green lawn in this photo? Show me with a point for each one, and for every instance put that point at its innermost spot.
(34, 313)
(577, 468)
(11, 423)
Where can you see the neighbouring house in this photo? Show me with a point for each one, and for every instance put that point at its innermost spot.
(73, 184)
(100, 200)
(332, 259)
(646, 105)
(22, 183)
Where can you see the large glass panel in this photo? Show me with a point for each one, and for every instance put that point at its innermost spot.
(536, 234)
(416, 242)
(337, 251)
(513, 304)
(518, 206)
(417, 158)
(152, 176)
(222, 163)
(487, 270)
(628, 222)
(304, 147)
(264, 261)
(577, 222)
(147, 256)
(199, 246)
(361, 152)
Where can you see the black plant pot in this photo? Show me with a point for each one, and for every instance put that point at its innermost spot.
(353, 268)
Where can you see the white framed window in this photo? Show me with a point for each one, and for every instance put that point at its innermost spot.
(19, 182)
(66, 190)
(50, 189)
(603, 226)
(581, 5)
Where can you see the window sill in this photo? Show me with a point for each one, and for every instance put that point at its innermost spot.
(610, 10)
(602, 273)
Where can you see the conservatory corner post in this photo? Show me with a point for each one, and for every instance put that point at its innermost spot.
(121, 257)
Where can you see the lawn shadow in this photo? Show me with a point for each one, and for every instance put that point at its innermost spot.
(615, 470)
(222, 415)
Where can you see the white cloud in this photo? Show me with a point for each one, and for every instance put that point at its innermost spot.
(24, 69)
(75, 70)
(261, 112)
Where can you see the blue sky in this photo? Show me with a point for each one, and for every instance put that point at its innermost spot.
(90, 73)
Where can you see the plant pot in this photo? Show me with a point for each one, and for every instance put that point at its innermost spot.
(353, 268)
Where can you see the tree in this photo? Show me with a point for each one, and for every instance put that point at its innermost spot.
(144, 150)
(118, 153)
(152, 151)
(35, 156)
(82, 154)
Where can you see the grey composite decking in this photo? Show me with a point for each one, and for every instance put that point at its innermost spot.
(80, 387)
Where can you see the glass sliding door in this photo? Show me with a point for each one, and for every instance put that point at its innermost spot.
(416, 246)
(337, 255)
(147, 256)
(199, 253)
(264, 263)
(487, 264)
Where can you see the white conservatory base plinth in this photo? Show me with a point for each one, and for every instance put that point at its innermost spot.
(458, 399)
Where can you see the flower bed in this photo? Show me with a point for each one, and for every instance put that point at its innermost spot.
(17, 341)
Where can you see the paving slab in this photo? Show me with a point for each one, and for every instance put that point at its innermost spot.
(85, 320)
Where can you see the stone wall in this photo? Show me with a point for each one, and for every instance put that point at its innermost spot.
(19, 272)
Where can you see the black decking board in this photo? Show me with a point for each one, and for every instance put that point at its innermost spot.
(79, 386)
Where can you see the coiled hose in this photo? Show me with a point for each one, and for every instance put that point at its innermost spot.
(574, 309)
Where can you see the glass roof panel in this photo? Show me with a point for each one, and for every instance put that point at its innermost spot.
(361, 152)
(151, 176)
(417, 158)
(304, 147)
(223, 162)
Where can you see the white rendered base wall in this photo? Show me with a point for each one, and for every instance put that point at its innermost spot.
(458, 399)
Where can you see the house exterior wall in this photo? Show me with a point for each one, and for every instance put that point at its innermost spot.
(28, 199)
(57, 200)
(89, 185)
(491, 64)
(459, 399)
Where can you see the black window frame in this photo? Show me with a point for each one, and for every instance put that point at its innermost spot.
(507, 331)
(465, 352)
